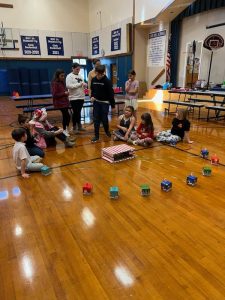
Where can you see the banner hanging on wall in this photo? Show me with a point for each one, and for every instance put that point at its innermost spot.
(116, 39)
(95, 45)
(30, 45)
(156, 49)
(55, 45)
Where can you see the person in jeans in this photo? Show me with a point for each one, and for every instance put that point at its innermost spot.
(102, 96)
(23, 161)
(76, 85)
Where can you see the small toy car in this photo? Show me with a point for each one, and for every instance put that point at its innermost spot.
(145, 190)
(45, 170)
(204, 153)
(191, 180)
(114, 192)
(87, 189)
(207, 171)
(166, 185)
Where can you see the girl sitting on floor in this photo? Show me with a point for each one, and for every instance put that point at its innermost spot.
(45, 133)
(145, 132)
(179, 131)
(125, 125)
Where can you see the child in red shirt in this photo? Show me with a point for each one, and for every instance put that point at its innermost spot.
(145, 132)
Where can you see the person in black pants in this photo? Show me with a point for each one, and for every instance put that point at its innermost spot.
(60, 98)
(102, 96)
(76, 85)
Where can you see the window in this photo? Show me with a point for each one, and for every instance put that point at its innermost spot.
(80, 61)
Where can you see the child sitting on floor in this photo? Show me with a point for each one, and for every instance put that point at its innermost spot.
(32, 149)
(24, 162)
(145, 132)
(179, 131)
(45, 133)
(125, 125)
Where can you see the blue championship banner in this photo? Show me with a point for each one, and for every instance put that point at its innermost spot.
(116, 39)
(55, 45)
(30, 45)
(95, 45)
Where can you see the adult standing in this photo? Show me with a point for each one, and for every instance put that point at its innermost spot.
(92, 73)
(76, 85)
(60, 98)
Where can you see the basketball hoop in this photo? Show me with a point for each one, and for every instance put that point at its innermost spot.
(213, 42)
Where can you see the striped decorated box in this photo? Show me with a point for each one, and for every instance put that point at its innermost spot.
(118, 153)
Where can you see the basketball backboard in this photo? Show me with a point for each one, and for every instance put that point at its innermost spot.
(6, 38)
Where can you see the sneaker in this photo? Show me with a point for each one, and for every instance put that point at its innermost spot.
(72, 139)
(69, 143)
(108, 134)
(95, 139)
(66, 132)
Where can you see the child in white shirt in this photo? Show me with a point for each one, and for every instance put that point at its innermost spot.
(24, 162)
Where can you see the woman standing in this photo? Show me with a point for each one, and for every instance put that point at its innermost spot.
(60, 98)
(76, 85)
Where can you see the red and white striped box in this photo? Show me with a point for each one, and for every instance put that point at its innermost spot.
(118, 153)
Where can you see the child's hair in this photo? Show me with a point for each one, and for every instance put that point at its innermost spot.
(18, 133)
(131, 108)
(22, 119)
(57, 73)
(75, 65)
(100, 69)
(148, 121)
(182, 114)
(132, 72)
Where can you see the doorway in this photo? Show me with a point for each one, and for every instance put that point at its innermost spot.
(113, 71)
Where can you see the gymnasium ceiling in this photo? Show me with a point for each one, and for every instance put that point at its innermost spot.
(167, 14)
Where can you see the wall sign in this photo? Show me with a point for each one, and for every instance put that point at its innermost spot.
(156, 49)
(55, 45)
(95, 45)
(116, 39)
(30, 45)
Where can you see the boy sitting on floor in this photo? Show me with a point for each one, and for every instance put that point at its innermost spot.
(24, 162)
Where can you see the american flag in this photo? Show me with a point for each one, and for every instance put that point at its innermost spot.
(168, 61)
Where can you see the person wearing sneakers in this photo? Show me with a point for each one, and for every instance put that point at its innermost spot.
(60, 98)
(76, 85)
(102, 96)
(45, 133)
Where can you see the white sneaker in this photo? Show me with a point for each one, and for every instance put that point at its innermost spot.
(66, 132)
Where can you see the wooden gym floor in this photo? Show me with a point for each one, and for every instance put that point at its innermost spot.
(56, 243)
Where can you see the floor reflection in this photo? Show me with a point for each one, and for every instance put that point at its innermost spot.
(124, 276)
(88, 217)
